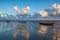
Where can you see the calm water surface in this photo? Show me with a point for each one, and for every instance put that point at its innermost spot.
(25, 31)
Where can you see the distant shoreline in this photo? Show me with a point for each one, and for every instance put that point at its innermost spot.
(24, 21)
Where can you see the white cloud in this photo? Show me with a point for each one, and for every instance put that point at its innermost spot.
(5, 16)
(54, 12)
(23, 11)
(57, 6)
(43, 13)
(26, 10)
(54, 5)
(2, 15)
(16, 9)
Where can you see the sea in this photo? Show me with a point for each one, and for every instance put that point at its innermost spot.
(29, 30)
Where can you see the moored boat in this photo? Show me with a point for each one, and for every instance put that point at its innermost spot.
(46, 23)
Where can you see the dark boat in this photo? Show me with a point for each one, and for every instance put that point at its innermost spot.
(23, 22)
(7, 21)
(46, 23)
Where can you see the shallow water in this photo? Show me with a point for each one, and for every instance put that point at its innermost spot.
(25, 31)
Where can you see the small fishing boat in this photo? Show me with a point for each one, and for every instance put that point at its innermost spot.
(23, 22)
(46, 23)
(7, 21)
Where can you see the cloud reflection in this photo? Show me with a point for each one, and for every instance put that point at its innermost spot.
(24, 32)
(42, 30)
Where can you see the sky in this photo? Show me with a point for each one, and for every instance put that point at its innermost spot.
(7, 6)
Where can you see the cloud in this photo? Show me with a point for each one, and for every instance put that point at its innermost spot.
(23, 11)
(54, 5)
(54, 12)
(5, 16)
(43, 13)
(2, 15)
(17, 10)
(26, 10)
(57, 7)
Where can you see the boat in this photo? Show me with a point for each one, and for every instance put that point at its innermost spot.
(7, 21)
(46, 23)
